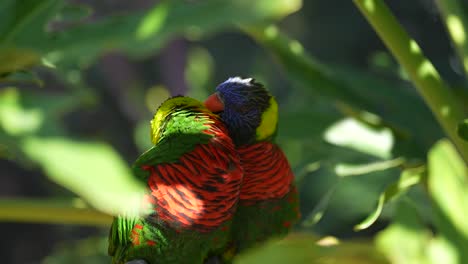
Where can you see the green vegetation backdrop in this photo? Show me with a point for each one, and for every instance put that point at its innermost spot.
(373, 118)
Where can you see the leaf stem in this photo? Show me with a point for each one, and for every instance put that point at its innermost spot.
(50, 211)
(422, 73)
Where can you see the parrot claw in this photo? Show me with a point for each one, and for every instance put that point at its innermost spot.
(136, 261)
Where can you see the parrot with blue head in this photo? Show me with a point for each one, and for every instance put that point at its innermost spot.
(268, 204)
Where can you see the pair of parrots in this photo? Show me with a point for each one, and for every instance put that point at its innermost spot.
(217, 184)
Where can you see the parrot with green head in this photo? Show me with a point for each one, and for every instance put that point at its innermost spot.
(268, 205)
(193, 177)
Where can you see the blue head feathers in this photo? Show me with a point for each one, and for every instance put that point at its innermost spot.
(241, 103)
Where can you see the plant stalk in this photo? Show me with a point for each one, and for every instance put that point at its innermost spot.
(422, 73)
(49, 211)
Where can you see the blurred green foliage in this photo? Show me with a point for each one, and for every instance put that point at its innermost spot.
(369, 157)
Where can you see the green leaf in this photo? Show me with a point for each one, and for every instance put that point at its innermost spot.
(353, 134)
(408, 178)
(344, 170)
(373, 216)
(405, 240)
(19, 59)
(138, 33)
(145, 32)
(92, 170)
(356, 88)
(302, 249)
(27, 20)
(448, 184)
(440, 250)
(301, 67)
(23, 21)
(462, 130)
(317, 213)
(14, 118)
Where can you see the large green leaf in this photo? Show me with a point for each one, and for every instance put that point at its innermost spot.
(138, 33)
(302, 249)
(448, 186)
(356, 135)
(405, 240)
(23, 23)
(90, 169)
(144, 32)
(25, 20)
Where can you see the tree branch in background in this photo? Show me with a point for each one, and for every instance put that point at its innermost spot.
(50, 211)
(422, 73)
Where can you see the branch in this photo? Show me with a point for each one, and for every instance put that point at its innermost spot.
(422, 73)
(50, 211)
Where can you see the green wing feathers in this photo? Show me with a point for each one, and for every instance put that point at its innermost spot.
(193, 176)
(119, 237)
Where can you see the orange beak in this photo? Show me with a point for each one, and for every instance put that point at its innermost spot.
(214, 104)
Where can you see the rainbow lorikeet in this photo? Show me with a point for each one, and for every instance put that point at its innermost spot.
(193, 177)
(268, 204)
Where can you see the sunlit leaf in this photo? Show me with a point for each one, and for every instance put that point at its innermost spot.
(407, 179)
(344, 170)
(440, 250)
(373, 216)
(448, 184)
(405, 240)
(304, 249)
(90, 169)
(355, 135)
(14, 118)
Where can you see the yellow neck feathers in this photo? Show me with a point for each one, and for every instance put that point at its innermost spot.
(269, 121)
